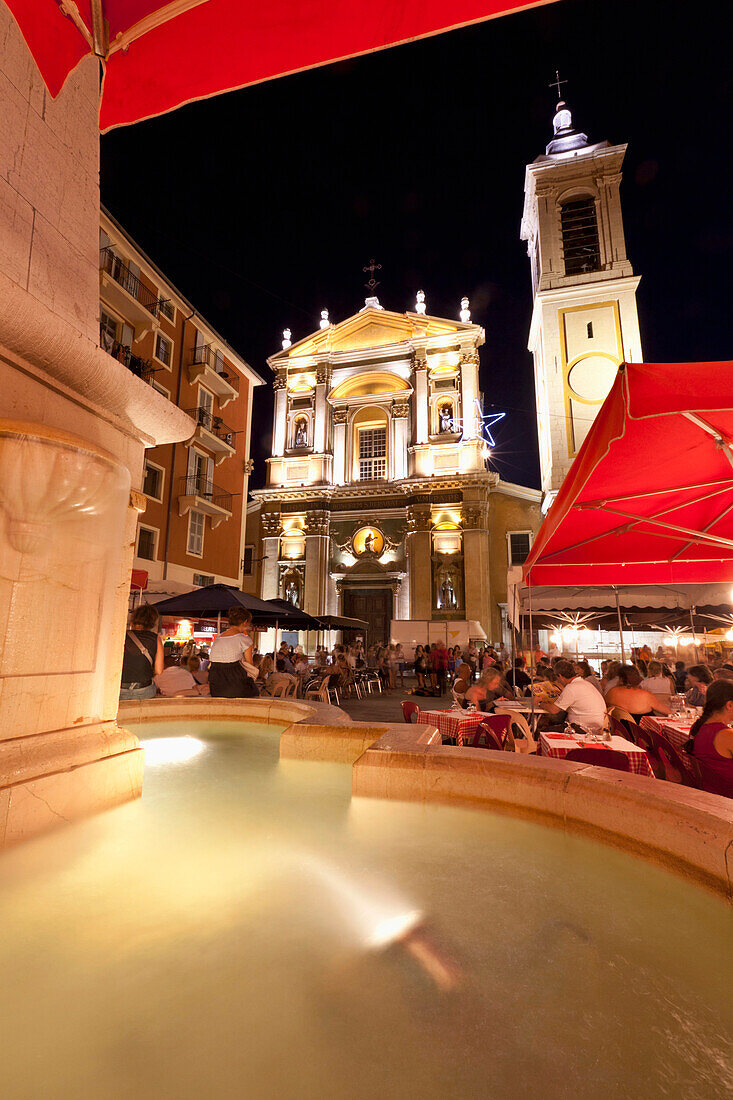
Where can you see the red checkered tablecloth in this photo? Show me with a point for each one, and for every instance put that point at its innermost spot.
(676, 730)
(454, 724)
(560, 744)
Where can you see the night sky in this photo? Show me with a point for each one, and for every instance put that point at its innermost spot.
(263, 205)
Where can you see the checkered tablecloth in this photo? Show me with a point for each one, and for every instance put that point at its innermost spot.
(560, 744)
(453, 724)
(676, 730)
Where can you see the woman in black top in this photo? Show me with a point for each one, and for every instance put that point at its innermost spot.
(143, 656)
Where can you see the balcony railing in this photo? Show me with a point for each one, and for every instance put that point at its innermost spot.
(118, 270)
(206, 355)
(141, 368)
(214, 424)
(192, 486)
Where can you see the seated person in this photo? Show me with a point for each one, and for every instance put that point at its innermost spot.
(279, 677)
(284, 656)
(175, 680)
(193, 664)
(711, 736)
(462, 682)
(632, 697)
(578, 702)
(657, 682)
(487, 689)
(584, 669)
(517, 675)
(698, 677)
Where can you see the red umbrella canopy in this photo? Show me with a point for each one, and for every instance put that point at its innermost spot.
(160, 55)
(649, 499)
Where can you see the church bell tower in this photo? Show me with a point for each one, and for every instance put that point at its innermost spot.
(584, 318)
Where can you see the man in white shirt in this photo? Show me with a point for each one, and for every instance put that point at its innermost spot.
(578, 701)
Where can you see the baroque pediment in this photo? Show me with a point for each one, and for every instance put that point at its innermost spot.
(371, 328)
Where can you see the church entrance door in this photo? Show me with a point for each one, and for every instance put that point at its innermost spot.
(374, 606)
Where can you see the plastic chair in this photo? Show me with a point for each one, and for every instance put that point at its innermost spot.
(601, 758)
(408, 709)
(707, 779)
(519, 727)
(645, 741)
(494, 729)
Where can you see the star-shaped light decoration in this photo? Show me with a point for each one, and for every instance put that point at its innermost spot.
(485, 420)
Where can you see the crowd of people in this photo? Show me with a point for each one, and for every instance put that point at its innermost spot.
(567, 691)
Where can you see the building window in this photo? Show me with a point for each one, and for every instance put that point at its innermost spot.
(167, 309)
(108, 329)
(248, 561)
(161, 389)
(203, 579)
(372, 453)
(589, 330)
(519, 546)
(580, 236)
(146, 543)
(153, 482)
(163, 349)
(196, 522)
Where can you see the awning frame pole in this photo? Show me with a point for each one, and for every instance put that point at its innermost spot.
(531, 653)
(694, 636)
(620, 626)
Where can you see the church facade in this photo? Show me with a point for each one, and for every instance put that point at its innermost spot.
(380, 502)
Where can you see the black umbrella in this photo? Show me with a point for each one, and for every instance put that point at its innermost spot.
(341, 622)
(216, 599)
(296, 619)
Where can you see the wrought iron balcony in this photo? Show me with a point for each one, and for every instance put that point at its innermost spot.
(206, 366)
(141, 368)
(192, 486)
(214, 424)
(111, 264)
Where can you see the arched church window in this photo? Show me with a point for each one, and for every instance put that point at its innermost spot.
(580, 235)
(300, 437)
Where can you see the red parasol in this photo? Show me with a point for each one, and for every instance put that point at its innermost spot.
(649, 499)
(160, 55)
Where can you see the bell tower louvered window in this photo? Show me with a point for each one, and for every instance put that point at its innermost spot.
(580, 236)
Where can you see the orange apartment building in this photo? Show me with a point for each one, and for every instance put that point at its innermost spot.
(193, 529)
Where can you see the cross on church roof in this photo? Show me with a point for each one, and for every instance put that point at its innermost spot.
(556, 83)
(371, 268)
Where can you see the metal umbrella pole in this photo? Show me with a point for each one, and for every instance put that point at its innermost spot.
(531, 657)
(620, 627)
(694, 636)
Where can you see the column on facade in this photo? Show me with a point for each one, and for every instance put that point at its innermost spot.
(420, 563)
(280, 417)
(339, 446)
(469, 391)
(422, 428)
(400, 413)
(316, 562)
(270, 527)
(320, 427)
(476, 562)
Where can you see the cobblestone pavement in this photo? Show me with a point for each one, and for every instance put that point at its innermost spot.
(387, 707)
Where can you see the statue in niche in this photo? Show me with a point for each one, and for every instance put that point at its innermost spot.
(292, 594)
(448, 600)
(369, 542)
(301, 433)
(445, 415)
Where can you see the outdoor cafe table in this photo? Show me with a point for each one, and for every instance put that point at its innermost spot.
(559, 745)
(676, 730)
(453, 724)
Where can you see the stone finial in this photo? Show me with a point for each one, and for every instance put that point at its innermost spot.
(324, 321)
(287, 342)
(420, 302)
(465, 311)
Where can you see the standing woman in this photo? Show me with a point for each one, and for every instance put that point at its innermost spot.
(420, 666)
(143, 657)
(231, 669)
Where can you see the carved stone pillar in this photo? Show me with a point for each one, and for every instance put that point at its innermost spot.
(420, 564)
(476, 560)
(317, 544)
(280, 416)
(340, 473)
(320, 431)
(400, 438)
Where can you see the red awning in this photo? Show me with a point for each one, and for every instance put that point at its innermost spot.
(649, 499)
(160, 55)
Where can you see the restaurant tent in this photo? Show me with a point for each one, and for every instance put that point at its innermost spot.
(215, 600)
(159, 54)
(649, 498)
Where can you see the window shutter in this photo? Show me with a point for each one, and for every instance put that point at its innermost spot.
(128, 335)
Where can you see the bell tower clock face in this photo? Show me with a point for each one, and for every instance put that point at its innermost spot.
(368, 540)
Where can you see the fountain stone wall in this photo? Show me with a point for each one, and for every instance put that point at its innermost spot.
(74, 426)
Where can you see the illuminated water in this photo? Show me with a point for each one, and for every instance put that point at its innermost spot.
(211, 941)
